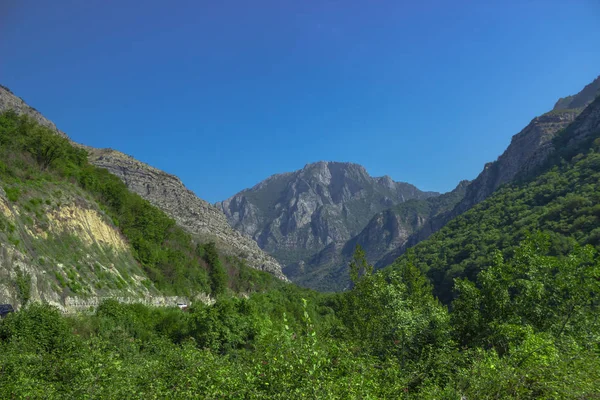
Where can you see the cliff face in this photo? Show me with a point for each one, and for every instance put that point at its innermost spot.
(386, 231)
(198, 217)
(528, 150)
(295, 215)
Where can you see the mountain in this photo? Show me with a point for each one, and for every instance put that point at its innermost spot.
(560, 198)
(387, 230)
(295, 215)
(581, 99)
(163, 190)
(528, 150)
(195, 215)
(9, 101)
(72, 233)
(393, 229)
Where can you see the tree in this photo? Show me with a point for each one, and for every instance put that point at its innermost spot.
(216, 273)
(359, 266)
(46, 148)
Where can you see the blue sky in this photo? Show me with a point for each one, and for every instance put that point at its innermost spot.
(226, 93)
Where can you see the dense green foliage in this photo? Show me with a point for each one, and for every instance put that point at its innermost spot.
(564, 202)
(518, 315)
(170, 257)
(529, 328)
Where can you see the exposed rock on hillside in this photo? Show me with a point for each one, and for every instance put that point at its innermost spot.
(295, 215)
(387, 230)
(8, 101)
(192, 213)
(168, 193)
(581, 99)
(528, 148)
(61, 247)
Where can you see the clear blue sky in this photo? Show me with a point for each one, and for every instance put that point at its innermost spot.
(225, 93)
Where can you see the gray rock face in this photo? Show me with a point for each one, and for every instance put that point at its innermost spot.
(386, 231)
(528, 150)
(295, 215)
(197, 216)
(581, 99)
(8, 101)
(164, 191)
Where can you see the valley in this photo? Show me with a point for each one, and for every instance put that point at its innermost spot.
(117, 281)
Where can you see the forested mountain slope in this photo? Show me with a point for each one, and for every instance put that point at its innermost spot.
(560, 197)
(528, 149)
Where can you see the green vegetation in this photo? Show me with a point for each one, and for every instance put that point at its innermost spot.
(24, 285)
(504, 302)
(528, 328)
(564, 202)
(216, 272)
(40, 167)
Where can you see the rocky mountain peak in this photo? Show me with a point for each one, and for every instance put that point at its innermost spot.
(297, 214)
(581, 99)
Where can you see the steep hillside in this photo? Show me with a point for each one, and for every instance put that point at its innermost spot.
(528, 150)
(9, 101)
(195, 215)
(581, 99)
(58, 245)
(560, 198)
(72, 233)
(295, 215)
(164, 191)
(388, 229)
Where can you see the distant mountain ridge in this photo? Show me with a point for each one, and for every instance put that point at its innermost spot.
(297, 214)
(393, 229)
(386, 231)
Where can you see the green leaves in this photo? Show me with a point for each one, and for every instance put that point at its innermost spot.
(168, 254)
(359, 266)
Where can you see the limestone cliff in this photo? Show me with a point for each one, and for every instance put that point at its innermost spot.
(295, 215)
(198, 217)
